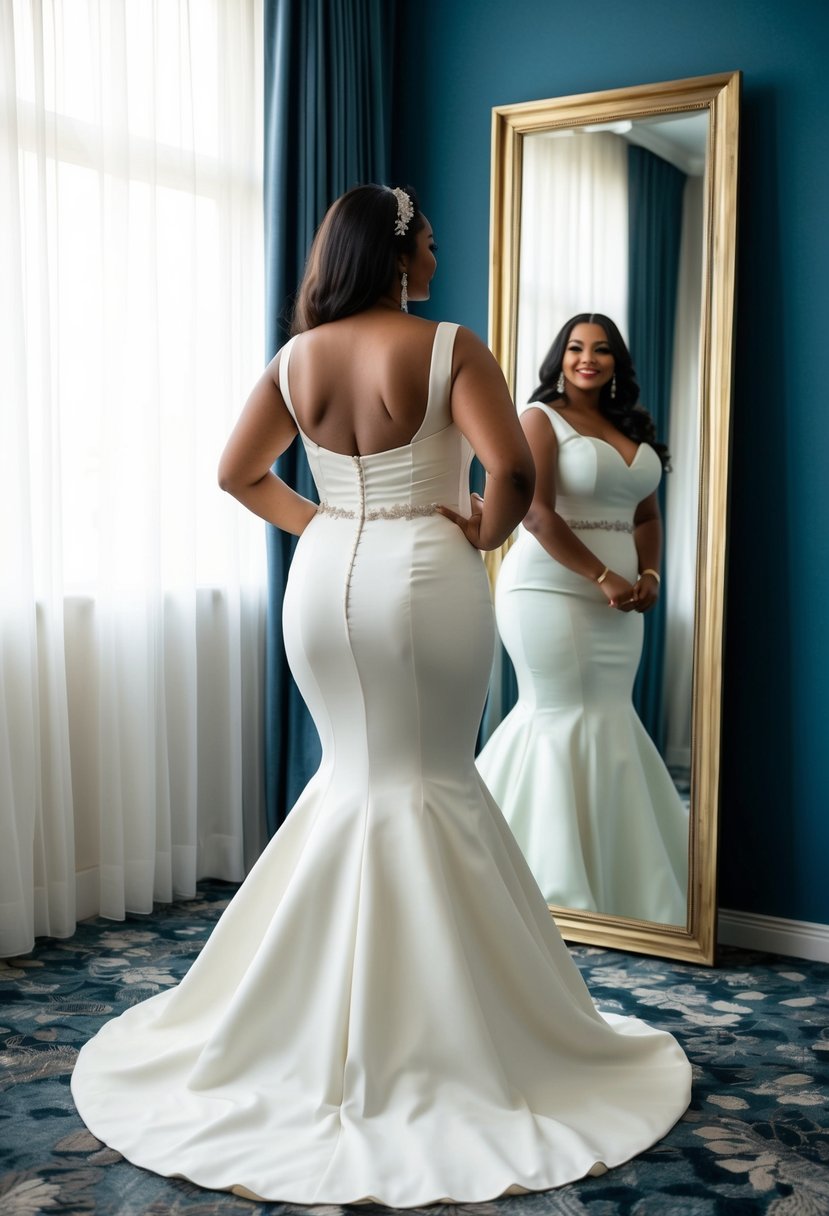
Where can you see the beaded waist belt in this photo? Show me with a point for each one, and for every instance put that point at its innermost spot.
(398, 511)
(603, 525)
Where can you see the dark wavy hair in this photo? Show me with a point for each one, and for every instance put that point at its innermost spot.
(353, 258)
(625, 410)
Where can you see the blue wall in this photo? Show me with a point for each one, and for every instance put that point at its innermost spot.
(458, 59)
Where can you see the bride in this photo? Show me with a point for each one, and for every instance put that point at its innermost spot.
(386, 1010)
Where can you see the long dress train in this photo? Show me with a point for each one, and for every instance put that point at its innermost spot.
(386, 1010)
(573, 769)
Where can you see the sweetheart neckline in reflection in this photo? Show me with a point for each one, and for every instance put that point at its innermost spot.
(612, 446)
(606, 442)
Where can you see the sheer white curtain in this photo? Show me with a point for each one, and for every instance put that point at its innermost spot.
(574, 240)
(682, 486)
(131, 328)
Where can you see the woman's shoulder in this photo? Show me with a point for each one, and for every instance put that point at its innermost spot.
(471, 352)
(548, 421)
(542, 407)
(371, 325)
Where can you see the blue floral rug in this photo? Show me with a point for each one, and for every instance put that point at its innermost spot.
(756, 1028)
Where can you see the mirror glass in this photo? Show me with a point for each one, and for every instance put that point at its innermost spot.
(609, 211)
(619, 211)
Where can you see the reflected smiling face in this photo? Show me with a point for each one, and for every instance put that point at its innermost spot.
(588, 362)
(422, 264)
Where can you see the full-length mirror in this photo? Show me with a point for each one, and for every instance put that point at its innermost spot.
(621, 205)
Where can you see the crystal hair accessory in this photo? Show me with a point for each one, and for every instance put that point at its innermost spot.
(405, 211)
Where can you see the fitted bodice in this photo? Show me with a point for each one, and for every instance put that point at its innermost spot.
(403, 481)
(593, 480)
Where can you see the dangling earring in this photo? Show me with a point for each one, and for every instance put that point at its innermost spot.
(560, 383)
(404, 292)
(613, 386)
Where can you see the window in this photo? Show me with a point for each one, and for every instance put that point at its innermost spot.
(131, 329)
(138, 129)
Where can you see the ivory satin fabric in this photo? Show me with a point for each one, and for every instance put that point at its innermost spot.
(386, 1010)
(574, 771)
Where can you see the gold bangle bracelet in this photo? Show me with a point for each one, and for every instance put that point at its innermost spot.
(603, 575)
(652, 573)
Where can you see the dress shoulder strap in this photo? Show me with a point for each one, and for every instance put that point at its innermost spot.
(562, 429)
(438, 414)
(284, 387)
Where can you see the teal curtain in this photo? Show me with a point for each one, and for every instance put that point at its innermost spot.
(328, 78)
(655, 191)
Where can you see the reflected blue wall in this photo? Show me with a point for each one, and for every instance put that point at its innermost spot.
(458, 59)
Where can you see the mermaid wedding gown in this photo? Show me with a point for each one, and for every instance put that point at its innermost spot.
(573, 769)
(386, 1010)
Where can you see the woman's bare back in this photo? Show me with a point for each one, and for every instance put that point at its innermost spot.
(360, 385)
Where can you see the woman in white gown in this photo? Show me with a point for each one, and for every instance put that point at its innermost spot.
(576, 775)
(385, 1010)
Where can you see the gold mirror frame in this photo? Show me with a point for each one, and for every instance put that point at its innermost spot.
(719, 95)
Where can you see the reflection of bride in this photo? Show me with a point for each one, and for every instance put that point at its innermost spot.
(574, 771)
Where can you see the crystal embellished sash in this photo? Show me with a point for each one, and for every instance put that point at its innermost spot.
(603, 525)
(398, 511)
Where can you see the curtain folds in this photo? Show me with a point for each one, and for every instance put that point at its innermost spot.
(131, 314)
(655, 203)
(574, 234)
(328, 79)
(682, 490)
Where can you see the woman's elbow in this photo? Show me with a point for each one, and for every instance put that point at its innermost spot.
(228, 477)
(647, 520)
(523, 482)
(541, 520)
(520, 474)
(534, 520)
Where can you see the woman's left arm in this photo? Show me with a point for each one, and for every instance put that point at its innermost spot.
(647, 536)
(264, 431)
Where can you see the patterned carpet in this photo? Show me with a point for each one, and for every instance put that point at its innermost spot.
(756, 1138)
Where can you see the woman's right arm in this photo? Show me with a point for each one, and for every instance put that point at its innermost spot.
(265, 429)
(547, 526)
(483, 411)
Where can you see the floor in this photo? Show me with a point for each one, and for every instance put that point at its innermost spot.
(755, 1139)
